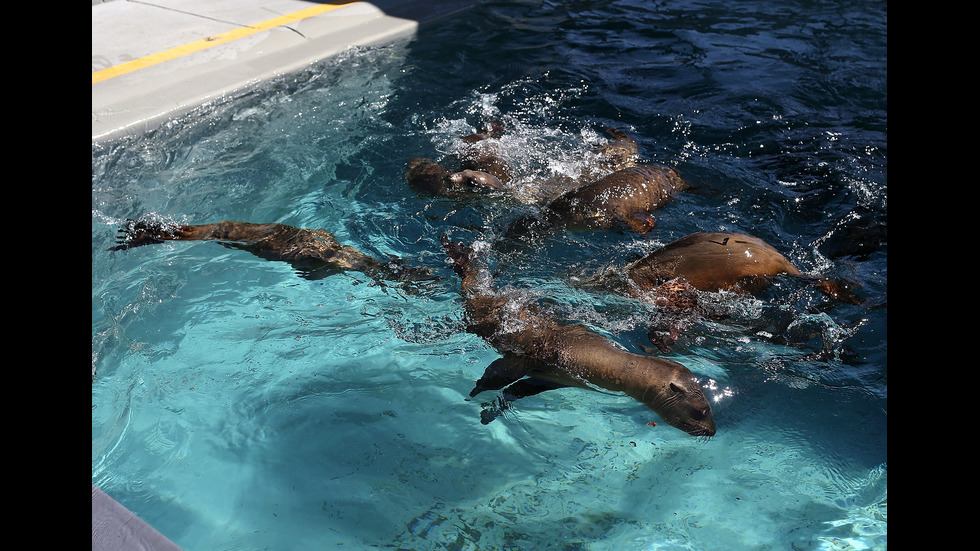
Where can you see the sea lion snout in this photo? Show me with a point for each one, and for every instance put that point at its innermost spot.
(681, 403)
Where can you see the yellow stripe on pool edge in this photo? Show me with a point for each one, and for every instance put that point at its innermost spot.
(205, 43)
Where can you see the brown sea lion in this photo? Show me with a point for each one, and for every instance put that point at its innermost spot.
(314, 253)
(553, 355)
(712, 261)
(715, 261)
(430, 178)
(623, 198)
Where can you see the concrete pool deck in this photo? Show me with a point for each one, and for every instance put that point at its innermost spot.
(153, 60)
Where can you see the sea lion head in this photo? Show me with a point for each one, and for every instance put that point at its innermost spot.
(425, 176)
(678, 399)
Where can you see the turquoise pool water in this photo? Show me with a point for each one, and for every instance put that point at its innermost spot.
(236, 405)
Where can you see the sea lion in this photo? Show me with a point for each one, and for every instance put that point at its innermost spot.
(715, 261)
(430, 178)
(314, 253)
(553, 355)
(710, 262)
(626, 197)
(614, 155)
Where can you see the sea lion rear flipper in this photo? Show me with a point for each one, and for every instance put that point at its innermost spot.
(663, 337)
(615, 133)
(147, 230)
(459, 253)
(841, 290)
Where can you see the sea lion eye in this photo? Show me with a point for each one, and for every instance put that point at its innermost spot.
(677, 388)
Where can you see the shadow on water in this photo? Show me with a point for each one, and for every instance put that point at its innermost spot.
(338, 411)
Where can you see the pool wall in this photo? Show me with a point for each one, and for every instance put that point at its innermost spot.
(115, 528)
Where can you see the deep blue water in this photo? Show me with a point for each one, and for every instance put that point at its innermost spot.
(239, 406)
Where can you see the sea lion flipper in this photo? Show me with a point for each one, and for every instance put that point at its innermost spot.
(663, 337)
(146, 231)
(460, 254)
(839, 290)
(529, 387)
(640, 222)
(615, 133)
(500, 373)
(519, 389)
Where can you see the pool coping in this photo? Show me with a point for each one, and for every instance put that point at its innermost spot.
(170, 56)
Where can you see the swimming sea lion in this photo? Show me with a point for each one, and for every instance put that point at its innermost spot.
(430, 178)
(715, 261)
(626, 197)
(711, 262)
(554, 355)
(314, 253)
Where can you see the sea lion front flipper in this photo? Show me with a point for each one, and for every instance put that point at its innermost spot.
(517, 390)
(663, 337)
(529, 387)
(500, 373)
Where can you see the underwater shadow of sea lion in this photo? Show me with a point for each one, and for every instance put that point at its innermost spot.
(315, 254)
(552, 355)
